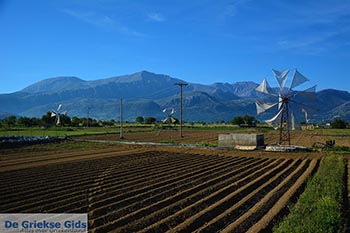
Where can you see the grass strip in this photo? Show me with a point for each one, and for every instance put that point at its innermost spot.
(319, 208)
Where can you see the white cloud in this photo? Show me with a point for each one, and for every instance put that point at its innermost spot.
(102, 21)
(156, 17)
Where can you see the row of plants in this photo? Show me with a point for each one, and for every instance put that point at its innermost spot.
(319, 208)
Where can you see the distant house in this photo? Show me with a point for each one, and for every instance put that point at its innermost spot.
(307, 127)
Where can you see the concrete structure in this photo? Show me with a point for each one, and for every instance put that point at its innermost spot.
(241, 141)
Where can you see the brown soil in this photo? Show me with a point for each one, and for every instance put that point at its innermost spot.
(298, 137)
(128, 188)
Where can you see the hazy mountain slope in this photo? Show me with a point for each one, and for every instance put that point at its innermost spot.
(146, 94)
(56, 84)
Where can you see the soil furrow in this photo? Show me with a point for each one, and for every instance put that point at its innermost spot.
(186, 196)
(212, 177)
(44, 200)
(205, 215)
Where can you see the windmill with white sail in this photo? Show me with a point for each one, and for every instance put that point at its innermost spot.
(286, 102)
(169, 119)
(57, 114)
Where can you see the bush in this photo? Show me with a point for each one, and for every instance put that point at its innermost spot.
(238, 120)
(150, 120)
(319, 207)
(139, 119)
(338, 124)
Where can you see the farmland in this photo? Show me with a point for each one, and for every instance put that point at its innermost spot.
(148, 188)
(206, 135)
(129, 188)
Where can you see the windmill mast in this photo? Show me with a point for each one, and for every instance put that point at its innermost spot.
(284, 124)
(181, 85)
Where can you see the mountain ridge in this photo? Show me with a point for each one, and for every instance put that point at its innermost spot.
(146, 93)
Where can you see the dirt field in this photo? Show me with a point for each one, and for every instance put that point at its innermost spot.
(298, 137)
(127, 188)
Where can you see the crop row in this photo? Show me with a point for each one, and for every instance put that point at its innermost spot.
(156, 191)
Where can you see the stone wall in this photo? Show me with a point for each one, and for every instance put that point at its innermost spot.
(233, 140)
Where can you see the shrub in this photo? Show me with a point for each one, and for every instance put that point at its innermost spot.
(150, 120)
(338, 124)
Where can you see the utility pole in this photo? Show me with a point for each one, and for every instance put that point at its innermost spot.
(88, 116)
(121, 119)
(181, 85)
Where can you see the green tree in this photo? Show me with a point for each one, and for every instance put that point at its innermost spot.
(238, 120)
(24, 121)
(108, 123)
(36, 121)
(65, 120)
(9, 121)
(338, 124)
(47, 120)
(150, 120)
(249, 120)
(75, 121)
(139, 119)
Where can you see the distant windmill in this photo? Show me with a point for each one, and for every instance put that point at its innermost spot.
(289, 102)
(169, 119)
(57, 114)
(169, 116)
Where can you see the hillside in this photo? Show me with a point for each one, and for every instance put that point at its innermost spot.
(146, 94)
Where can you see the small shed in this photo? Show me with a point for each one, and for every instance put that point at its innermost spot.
(241, 141)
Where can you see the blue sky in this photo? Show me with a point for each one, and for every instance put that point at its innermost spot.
(201, 41)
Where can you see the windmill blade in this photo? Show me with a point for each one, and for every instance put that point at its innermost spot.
(275, 120)
(58, 120)
(309, 94)
(292, 118)
(165, 120)
(265, 88)
(172, 112)
(305, 110)
(305, 114)
(294, 123)
(53, 114)
(164, 110)
(304, 106)
(298, 79)
(172, 120)
(64, 113)
(263, 107)
(59, 107)
(281, 77)
(280, 101)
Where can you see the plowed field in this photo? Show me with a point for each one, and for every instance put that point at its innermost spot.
(149, 189)
(298, 137)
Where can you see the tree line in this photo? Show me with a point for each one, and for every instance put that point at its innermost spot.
(48, 121)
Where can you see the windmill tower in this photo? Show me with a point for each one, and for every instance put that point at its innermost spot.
(286, 99)
(57, 114)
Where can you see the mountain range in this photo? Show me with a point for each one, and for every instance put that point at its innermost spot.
(147, 94)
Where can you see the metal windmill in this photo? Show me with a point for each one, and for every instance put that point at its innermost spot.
(289, 102)
(169, 116)
(57, 114)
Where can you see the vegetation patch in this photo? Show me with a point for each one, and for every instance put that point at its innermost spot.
(319, 208)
